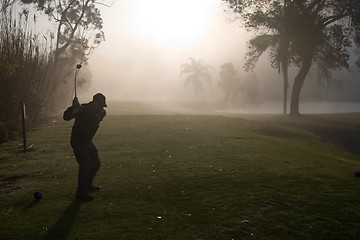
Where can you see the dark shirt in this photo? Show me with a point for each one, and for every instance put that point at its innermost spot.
(86, 121)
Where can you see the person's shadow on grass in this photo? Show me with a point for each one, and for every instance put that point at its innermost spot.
(62, 228)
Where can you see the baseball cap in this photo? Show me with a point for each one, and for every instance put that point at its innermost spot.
(100, 99)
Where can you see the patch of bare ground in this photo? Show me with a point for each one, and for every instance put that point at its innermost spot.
(341, 129)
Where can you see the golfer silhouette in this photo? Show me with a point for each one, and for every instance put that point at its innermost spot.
(87, 119)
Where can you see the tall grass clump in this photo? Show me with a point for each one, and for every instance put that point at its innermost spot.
(24, 68)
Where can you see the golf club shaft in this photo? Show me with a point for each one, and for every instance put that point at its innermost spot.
(76, 71)
(78, 66)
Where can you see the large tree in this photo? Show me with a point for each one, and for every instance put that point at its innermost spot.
(317, 31)
(79, 24)
(229, 81)
(78, 32)
(277, 41)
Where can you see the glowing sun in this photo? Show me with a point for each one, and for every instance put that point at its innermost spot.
(172, 22)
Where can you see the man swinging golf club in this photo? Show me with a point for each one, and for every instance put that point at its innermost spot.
(87, 119)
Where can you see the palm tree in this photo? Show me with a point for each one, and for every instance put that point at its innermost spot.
(278, 43)
(197, 72)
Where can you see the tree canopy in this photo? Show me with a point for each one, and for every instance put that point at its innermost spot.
(320, 32)
(35, 70)
(229, 81)
(78, 32)
(79, 24)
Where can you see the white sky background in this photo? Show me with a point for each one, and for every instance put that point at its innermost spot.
(142, 54)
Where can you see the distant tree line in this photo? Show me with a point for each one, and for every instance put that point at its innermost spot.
(234, 87)
(37, 69)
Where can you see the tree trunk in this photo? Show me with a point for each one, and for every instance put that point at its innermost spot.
(284, 66)
(298, 83)
(284, 61)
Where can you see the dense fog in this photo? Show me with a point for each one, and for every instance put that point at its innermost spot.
(146, 45)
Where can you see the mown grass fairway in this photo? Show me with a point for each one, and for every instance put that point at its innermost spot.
(182, 177)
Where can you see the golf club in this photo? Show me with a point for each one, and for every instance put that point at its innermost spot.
(78, 66)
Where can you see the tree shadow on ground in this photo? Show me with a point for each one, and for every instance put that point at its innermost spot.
(342, 129)
(63, 227)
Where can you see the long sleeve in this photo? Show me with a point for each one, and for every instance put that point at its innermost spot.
(100, 115)
(70, 113)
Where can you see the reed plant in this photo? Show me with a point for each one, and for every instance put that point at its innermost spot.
(24, 69)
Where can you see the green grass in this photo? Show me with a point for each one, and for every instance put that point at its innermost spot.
(182, 177)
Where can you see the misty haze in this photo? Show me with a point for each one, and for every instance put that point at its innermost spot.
(141, 62)
(179, 119)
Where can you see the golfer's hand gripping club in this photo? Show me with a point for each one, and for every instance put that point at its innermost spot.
(75, 103)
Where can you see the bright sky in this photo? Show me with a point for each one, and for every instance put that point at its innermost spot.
(173, 23)
(147, 41)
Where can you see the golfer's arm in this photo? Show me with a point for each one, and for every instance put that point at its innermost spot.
(100, 115)
(70, 113)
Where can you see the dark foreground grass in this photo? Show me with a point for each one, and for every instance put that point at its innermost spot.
(183, 177)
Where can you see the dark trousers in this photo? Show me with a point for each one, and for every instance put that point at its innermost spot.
(88, 159)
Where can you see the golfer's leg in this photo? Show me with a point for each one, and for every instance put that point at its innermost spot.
(83, 159)
(94, 162)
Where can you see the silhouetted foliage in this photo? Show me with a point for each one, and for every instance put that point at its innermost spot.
(24, 63)
(78, 33)
(37, 70)
(277, 41)
(320, 31)
(229, 81)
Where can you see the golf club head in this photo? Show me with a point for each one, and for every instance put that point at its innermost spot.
(78, 66)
